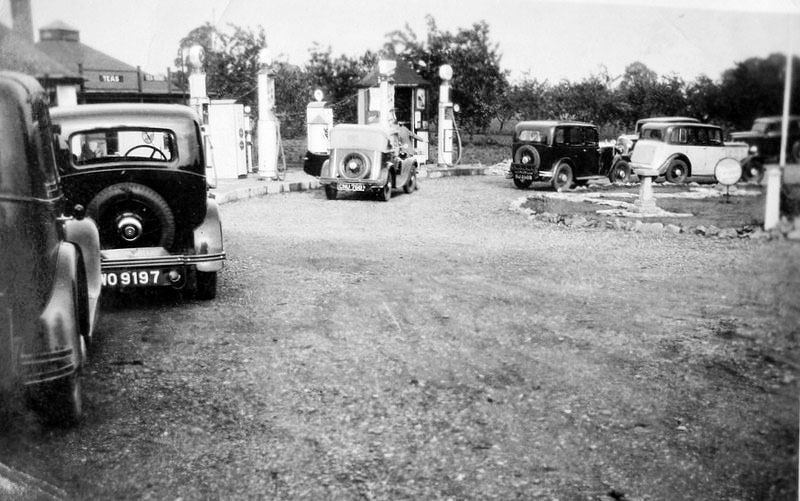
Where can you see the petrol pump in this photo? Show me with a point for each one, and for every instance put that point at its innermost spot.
(198, 99)
(446, 119)
(267, 121)
(319, 121)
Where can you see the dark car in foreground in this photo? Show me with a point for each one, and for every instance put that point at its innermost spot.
(560, 152)
(140, 171)
(367, 158)
(764, 141)
(49, 263)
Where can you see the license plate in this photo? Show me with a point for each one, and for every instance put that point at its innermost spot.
(134, 278)
(524, 178)
(351, 187)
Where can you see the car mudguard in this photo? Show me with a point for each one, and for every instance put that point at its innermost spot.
(55, 350)
(208, 238)
(83, 233)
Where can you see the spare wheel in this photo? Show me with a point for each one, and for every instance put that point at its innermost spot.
(132, 215)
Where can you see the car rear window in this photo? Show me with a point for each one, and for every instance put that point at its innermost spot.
(122, 145)
(534, 136)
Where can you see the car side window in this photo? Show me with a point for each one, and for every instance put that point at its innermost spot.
(575, 136)
(701, 137)
(680, 135)
(590, 136)
(558, 137)
(715, 137)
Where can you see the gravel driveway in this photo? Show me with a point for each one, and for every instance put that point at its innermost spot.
(441, 346)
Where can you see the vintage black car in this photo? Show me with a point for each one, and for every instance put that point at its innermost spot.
(368, 158)
(49, 263)
(764, 140)
(140, 171)
(561, 152)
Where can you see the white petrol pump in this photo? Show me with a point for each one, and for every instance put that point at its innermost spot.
(446, 120)
(319, 122)
(198, 99)
(267, 121)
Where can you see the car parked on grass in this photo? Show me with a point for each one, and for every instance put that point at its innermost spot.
(684, 149)
(367, 158)
(140, 170)
(561, 152)
(49, 263)
(764, 141)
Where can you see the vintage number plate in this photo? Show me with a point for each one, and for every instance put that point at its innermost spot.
(133, 278)
(525, 178)
(350, 187)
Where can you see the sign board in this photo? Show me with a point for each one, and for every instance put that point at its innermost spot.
(728, 171)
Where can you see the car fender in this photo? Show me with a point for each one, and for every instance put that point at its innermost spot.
(208, 237)
(55, 351)
(83, 233)
(675, 156)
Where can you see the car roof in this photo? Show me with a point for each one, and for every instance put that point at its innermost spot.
(664, 125)
(551, 123)
(776, 118)
(124, 114)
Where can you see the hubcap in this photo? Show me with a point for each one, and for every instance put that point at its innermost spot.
(129, 227)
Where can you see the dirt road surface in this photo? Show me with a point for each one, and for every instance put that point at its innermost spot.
(440, 346)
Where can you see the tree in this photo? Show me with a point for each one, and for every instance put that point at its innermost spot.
(338, 78)
(478, 84)
(231, 61)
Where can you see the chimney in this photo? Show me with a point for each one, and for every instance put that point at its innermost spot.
(22, 21)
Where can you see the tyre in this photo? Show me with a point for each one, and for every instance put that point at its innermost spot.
(562, 177)
(330, 192)
(753, 171)
(528, 156)
(677, 172)
(411, 184)
(205, 285)
(132, 215)
(386, 192)
(620, 173)
(522, 184)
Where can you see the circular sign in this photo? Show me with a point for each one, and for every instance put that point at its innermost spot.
(728, 171)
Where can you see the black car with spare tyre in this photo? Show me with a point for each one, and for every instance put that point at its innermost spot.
(563, 153)
(140, 171)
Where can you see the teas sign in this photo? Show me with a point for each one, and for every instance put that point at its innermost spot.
(728, 171)
(111, 78)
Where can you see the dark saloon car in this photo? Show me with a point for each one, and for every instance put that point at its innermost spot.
(560, 152)
(367, 158)
(764, 141)
(49, 263)
(140, 171)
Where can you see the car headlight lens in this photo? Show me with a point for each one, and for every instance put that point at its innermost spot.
(753, 150)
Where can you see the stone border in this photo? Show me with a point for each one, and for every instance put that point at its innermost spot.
(785, 229)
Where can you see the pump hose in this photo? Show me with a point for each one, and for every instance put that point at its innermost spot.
(458, 140)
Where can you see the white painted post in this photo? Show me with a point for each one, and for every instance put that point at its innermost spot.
(774, 172)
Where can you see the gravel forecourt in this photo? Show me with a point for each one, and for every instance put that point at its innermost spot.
(442, 346)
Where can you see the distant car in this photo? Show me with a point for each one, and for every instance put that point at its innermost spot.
(49, 262)
(620, 170)
(367, 158)
(560, 152)
(682, 150)
(764, 141)
(140, 171)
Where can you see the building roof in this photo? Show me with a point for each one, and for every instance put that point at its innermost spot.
(103, 73)
(17, 54)
(404, 76)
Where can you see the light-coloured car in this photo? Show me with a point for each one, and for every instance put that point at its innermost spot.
(367, 158)
(684, 149)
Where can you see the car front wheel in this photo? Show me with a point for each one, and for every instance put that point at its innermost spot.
(677, 172)
(753, 171)
(386, 192)
(620, 173)
(562, 177)
(411, 185)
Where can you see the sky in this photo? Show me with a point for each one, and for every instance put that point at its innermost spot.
(541, 39)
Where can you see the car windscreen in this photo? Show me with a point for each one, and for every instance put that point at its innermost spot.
(122, 145)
